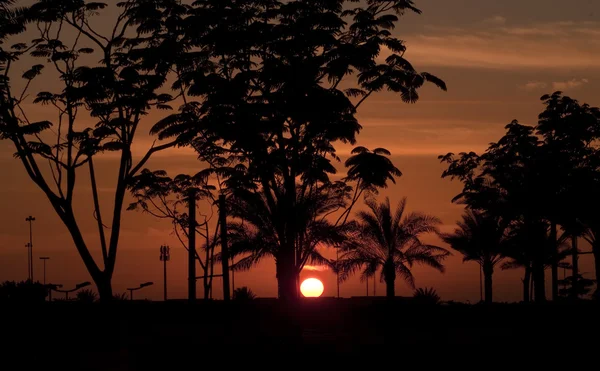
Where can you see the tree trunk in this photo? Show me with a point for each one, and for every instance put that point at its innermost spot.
(287, 278)
(389, 275)
(554, 268)
(596, 251)
(488, 272)
(526, 283)
(575, 263)
(537, 271)
(104, 286)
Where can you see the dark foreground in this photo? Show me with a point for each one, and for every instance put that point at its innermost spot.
(177, 336)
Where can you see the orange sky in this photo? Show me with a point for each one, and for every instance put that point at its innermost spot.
(497, 58)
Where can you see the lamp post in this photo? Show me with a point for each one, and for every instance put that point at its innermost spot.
(28, 247)
(30, 219)
(131, 290)
(67, 292)
(44, 258)
(165, 256)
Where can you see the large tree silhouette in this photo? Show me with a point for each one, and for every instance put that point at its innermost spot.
(116, 93)
(481, 238)
(285, 82)
(390, 240)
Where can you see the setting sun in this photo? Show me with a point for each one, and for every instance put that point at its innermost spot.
(312, 288)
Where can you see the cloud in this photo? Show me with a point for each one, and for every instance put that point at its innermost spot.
(534, 85)
(552, 45)
(571, 84)
(496, 20)
(316, 268)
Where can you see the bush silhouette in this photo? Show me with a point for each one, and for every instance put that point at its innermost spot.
(243, 294)
(426, 296)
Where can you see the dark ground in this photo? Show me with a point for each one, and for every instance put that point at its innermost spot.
(175, 335)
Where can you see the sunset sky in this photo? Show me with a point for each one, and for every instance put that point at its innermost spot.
(497, 58)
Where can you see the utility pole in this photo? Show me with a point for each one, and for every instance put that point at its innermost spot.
(192, 246)
(30, 219)
(28, 247)
(165, 256)
(224, 249)
(44, 258)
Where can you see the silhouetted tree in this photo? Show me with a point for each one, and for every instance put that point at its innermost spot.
(274, 100)
(524, 242)
(569, 131)
(390, 240)
(504, 182)
(481, 238)
(116, 92)
(166, 198)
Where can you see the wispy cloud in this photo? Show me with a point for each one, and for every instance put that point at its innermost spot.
(316, 268)
(496, 44)
(571, 84)
(495, 20)
(534, 85)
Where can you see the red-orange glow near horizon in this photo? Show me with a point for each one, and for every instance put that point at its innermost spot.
(312, 288)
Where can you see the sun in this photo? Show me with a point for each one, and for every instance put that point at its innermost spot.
(312, 288)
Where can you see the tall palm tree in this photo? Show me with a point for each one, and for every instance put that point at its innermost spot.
(255, 233)
(390, 241)
(480, 238)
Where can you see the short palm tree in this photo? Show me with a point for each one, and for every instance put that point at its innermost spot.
(390, 241)
(480, 238)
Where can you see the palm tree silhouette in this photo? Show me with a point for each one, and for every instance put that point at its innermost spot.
(390, 241)
(481, 238)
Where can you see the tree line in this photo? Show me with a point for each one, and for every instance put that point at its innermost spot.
(261, 90)
(531, 197)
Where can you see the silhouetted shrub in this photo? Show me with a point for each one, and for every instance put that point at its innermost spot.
(121, 297)
(22, 292)
(243, 294)
(426, 296)
(87, 296)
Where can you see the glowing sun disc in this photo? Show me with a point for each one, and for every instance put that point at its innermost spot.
(312, 288)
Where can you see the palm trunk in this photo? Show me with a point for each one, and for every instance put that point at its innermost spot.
(286, 275)
(526, 283)
(554, 261)
(539, 280)
(488, 271)
(389, 274)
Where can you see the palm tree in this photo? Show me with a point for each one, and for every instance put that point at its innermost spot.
(256, 233)
(390, 241)
(480, 238)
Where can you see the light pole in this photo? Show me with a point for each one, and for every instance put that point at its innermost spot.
(131, 290)
(28, 247)
(165, 256)
(30, 219)
(44, 258)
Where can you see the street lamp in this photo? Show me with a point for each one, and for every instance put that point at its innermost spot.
(165, 256)
(131, 290)
(30, 219)
(28, 247)
(77, 287)
(44, 258)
